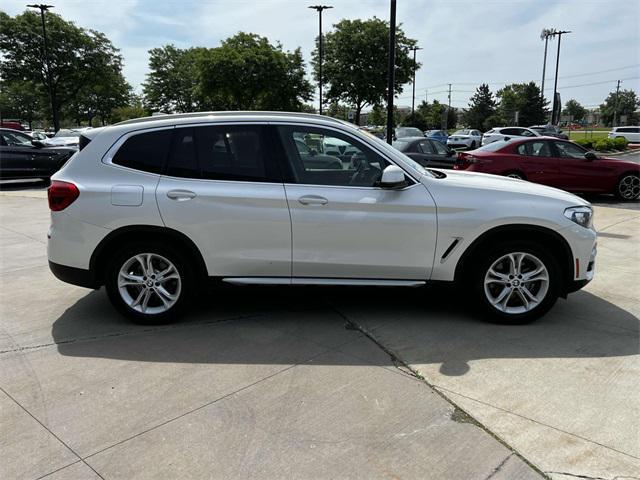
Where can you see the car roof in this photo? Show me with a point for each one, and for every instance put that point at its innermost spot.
(11, 130)
(409, 139)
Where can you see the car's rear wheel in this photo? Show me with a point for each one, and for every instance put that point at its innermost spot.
(149, 283)
(628, 187)
(516, 282)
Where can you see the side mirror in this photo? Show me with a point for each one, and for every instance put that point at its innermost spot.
(591, 156)
(392, 178)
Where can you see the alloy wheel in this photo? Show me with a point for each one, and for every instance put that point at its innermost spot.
(516, 283)
(149, 283)
(629, 187)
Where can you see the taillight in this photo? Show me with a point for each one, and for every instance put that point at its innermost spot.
(464, 160)
(61, 195)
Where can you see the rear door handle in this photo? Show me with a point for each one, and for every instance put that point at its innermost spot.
(180, 195)
(313, 200)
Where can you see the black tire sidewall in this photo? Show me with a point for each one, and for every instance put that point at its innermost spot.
(185, 270)
(482, 265)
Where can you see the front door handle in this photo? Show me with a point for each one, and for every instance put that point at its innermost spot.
(313, 200)
(180, 195)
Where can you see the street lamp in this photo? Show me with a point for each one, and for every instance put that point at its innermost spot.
(392, 70)
(415, 67)
(319, 9)
(556, 108)
(546, 33)
(44, 8)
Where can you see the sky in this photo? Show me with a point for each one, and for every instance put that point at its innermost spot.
(465, 42)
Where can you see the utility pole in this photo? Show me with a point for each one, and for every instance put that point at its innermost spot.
(556, 118)
(445, 121)
(615, 108)
(392, 73)
(415, 67)
(546, 33)
(45, 57)
(319, 9)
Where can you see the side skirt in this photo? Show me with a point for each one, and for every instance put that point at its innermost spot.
(322, 281)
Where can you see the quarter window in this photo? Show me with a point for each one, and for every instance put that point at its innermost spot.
(329, 158)
(145, 151)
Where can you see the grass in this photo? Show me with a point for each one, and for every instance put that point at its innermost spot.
(596, 134)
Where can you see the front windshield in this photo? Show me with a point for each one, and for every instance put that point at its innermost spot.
(67, 133)
(463, 132)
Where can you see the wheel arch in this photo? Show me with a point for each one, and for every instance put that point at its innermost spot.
(545, 236)
(140, 233)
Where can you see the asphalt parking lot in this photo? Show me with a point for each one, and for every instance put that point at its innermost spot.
(316, 382)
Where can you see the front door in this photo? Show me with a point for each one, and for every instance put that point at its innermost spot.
(343, 224)
(223, 190)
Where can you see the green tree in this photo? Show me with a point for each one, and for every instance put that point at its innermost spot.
(77, 57)
(172, 82)
(573, 109)
(377, 116)
(355, 62)
(248, 73)
(21, 100)
(436, 114)
(523, 98)
(415, 119)
(481, 107)
(134, 109)
(628, 104)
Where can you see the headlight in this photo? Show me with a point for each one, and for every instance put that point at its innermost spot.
(583, 216)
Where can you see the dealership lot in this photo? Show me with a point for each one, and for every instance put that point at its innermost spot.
(268, 382)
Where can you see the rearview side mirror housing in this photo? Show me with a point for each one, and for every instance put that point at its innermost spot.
(393, 178)
(591, 156)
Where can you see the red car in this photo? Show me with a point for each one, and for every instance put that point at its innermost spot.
(557, 163)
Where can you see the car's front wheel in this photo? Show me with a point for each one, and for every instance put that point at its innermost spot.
(149, 283)
(516, 282)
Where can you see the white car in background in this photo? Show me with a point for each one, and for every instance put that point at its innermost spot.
(506, 133)
(468, 138)
(632, 134)
(153, 208)
(66, 137)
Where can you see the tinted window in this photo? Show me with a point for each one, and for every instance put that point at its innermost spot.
(439, 148)
(183, 161)
(15, 138)
(234, 153)
(570, 150)
(334, 158)
(510, 131)
(145, 151)
(426, 147)
(535, 149)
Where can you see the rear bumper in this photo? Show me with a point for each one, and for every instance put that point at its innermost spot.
(74, 276)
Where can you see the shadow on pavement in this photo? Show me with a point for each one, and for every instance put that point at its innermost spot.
(255, 325)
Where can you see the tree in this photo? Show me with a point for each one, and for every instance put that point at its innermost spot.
(172, 82)
(21, 100)
(415, 119)
(355, 63)
(481, 107)
(134, 109)
(573, 109)
(628, 104)
(436, 113)
(377, 116)
(523, 98)
(248, 73)
(77, 57)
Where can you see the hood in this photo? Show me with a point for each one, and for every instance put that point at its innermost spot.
(61, 141)
(488, 182)
(618, 162)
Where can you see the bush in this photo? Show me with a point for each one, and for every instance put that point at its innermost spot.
(603, 144)
(620, 143)
(585, 142)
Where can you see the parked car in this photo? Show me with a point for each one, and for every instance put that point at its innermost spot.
(23, 157)
(68, 137)
(154, 207)
(557, 163)
(549, 131)
(35, 134)
(402, 132)
(507, 133)
(632, 134)
(440, 135)
(465, 138)
(427, 152)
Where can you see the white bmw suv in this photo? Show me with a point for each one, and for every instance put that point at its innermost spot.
(150, 208)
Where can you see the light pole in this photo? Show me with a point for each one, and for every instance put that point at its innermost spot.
(555, 115)
(415, 67)
(392, 67)
(44, 8)
(319, 9)
(546, 33)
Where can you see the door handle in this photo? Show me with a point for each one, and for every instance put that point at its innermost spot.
(313, 200)
(180, 195)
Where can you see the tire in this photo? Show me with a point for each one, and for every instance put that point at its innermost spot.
(473, 145)
(501, 291)
(515, 174)
(628, 187)
(149, 299)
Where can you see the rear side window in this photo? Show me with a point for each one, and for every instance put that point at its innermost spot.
(145, 151)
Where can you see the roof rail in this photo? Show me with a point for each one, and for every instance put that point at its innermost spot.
(229, 114)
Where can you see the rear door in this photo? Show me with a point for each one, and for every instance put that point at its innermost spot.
(222, 189)
(536, 159)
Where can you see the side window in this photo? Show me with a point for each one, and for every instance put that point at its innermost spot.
(570, 150)
(145, 151)
(325, 157)
(439, 148)
(534, 149)
(234, 153)
(526, 133)
(425, 147)
(509, 131)
(183, 161)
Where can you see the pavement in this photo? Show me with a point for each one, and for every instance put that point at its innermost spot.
(313, 383)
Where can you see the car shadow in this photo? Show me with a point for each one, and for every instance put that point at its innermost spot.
(424, 325)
